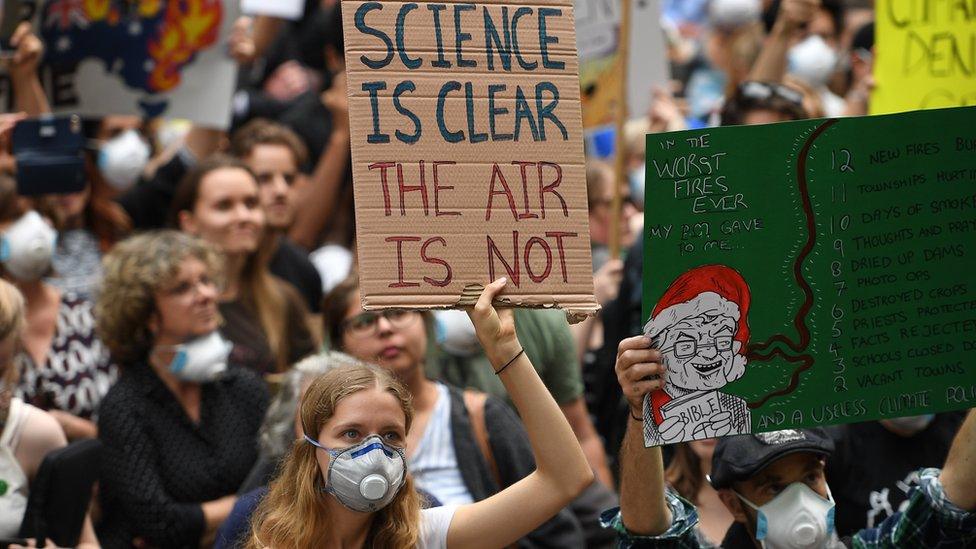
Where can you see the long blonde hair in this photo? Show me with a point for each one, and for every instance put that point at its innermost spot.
(294, 513)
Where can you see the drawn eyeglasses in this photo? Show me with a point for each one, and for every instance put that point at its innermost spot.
(689, 348)
(367, 324)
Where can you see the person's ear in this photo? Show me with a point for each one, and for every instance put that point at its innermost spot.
(735, 506)
(188, 223)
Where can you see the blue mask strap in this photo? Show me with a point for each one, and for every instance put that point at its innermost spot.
(315, 443)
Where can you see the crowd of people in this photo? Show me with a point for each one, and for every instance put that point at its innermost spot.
(196, 310)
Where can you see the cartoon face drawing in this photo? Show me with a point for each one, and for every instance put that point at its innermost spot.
(701, 329)
(700, 351)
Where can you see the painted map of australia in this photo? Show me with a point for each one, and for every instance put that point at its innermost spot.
(146, 43)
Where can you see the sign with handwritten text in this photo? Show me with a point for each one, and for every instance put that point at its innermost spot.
(811, 273)
(467, 153)
(925, 55)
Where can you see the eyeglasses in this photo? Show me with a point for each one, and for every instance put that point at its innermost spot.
(764, 90)
(367, 324)
(689, 348)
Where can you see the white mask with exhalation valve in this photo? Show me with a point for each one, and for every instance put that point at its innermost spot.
(27, 246)
(364, 477)
(797, 518)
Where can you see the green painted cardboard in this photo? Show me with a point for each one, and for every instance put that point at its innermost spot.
(825, 269)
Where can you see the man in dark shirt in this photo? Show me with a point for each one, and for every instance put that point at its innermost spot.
(876, 463)
(274, 153)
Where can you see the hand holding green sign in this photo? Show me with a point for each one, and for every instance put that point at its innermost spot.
(810, 273)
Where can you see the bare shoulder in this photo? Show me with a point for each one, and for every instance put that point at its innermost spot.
(41, 432)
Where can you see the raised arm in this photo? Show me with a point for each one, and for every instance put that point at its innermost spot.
(318, 199)
(561, 468)
(28, 93)
(771, 64)
(959, 473)
(642, 504)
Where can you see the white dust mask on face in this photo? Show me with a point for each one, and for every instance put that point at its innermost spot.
(455, 333)
(797, 518)
(123, 158)
(365, 477)
(26, 247)
(202, 359)
(813, 60)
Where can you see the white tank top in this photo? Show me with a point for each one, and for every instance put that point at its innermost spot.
(13, 481)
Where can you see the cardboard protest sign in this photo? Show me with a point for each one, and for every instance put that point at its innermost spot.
(467, 153)
(150, 58)
(810, 273)
(925, 55)
(285, 9)
(597, 28)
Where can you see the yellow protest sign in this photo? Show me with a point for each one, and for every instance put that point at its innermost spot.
(925, 55)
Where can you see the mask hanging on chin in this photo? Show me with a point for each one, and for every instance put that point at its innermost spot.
(123, 158)
(27, 246)
(200, 360)
(797, 518)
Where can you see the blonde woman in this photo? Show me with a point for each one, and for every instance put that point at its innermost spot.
(27, 433)
(264, 316)
(346, 484)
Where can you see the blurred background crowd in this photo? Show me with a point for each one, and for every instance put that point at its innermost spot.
(159, 327)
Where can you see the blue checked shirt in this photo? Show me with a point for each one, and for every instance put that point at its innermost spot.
(930, 521)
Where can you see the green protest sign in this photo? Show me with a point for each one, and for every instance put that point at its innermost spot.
(810, 273)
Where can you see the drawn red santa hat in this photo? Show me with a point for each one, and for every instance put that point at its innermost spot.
(709, 289)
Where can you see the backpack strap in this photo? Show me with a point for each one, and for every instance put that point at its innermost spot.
(475, 401)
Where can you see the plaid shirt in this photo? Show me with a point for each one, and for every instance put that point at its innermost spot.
(929, 521)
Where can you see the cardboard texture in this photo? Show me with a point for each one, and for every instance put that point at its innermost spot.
(467, 153)
(103, 60)
(811, 273)
(597, 28)
(925, 56)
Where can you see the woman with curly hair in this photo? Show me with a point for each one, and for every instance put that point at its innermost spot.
(345, 484)
(264, 317)
(180, 427)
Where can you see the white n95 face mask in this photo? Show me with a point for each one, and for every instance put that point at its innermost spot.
(27, 246)
(123, 158)
(455, 333)
(202, 359)
(813, 60)
(365, 477)
(797, 518)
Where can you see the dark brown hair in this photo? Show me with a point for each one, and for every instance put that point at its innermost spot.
(334, 307)
(260, 291)
(265, 132)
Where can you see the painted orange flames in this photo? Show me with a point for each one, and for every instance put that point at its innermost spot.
(187, 27)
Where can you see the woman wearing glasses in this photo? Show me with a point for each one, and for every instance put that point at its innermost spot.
(347, 484)
(180, 427)
(463, 446)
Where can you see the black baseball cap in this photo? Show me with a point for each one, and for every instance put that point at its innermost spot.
(740, 457)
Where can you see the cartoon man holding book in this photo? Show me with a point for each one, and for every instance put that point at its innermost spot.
(700, 326)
